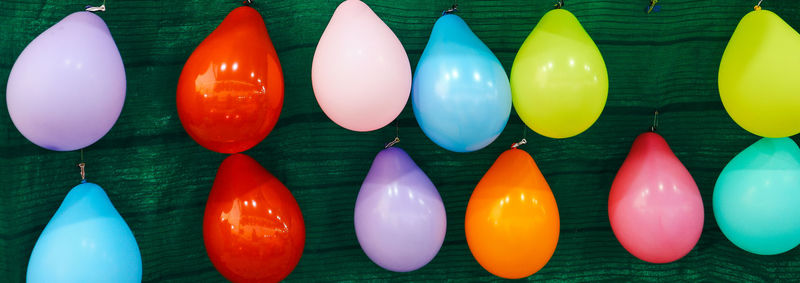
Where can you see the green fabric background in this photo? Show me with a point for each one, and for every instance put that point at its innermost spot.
(159, 178)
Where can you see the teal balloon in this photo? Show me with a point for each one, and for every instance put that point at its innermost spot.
(460, 92)
(86, 241)
(757, 197)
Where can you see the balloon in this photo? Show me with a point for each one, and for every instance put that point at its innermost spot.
(252, 228)
(757, 195)
(654, 207)
(460, 93)
(86, 241)
(559, 82)
(360, 72)
(512, 221)
(758, 76)
(399, 216)
(66, 89)
(230, 92)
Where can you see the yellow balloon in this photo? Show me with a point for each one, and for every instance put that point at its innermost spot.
(759, 76)
(559, 82)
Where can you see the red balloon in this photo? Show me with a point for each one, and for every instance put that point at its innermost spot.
(252, 228)
(230, 92)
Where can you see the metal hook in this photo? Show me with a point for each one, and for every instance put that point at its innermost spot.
(517, 144)
(451, 10)
(652, 6)
(83, 171)
(524, 131)
(392, 143)
(101, 8)
(655, 122)
(396, 135)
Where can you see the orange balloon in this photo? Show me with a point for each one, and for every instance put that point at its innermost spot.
(512, 221)
(230, 92)
(252, 227)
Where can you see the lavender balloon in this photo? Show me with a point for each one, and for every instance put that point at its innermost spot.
(400, 219)
(67, 87)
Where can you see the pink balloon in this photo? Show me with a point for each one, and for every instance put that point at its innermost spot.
(654, 207)
(360, 73)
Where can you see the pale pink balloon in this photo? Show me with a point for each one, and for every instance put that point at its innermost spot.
(654, 207)
(361, 74)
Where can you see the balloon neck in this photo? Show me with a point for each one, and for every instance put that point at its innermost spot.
(247, 2)
(559, 4)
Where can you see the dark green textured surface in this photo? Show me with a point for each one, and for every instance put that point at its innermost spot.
(159, 178)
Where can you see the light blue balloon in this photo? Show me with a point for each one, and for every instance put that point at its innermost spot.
(757, 197)
(86, 241)
(460, 94)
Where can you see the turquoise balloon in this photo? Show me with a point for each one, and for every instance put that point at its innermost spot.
(86, 241)
(460, 93)
(757, 197)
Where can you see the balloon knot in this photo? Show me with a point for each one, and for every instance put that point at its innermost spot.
(757, 8)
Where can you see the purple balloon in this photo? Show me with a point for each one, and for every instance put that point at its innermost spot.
(400, 219)
(67, 88)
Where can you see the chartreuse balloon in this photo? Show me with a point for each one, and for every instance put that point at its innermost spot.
(757, 195)
(759, 76)
(559, 82)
